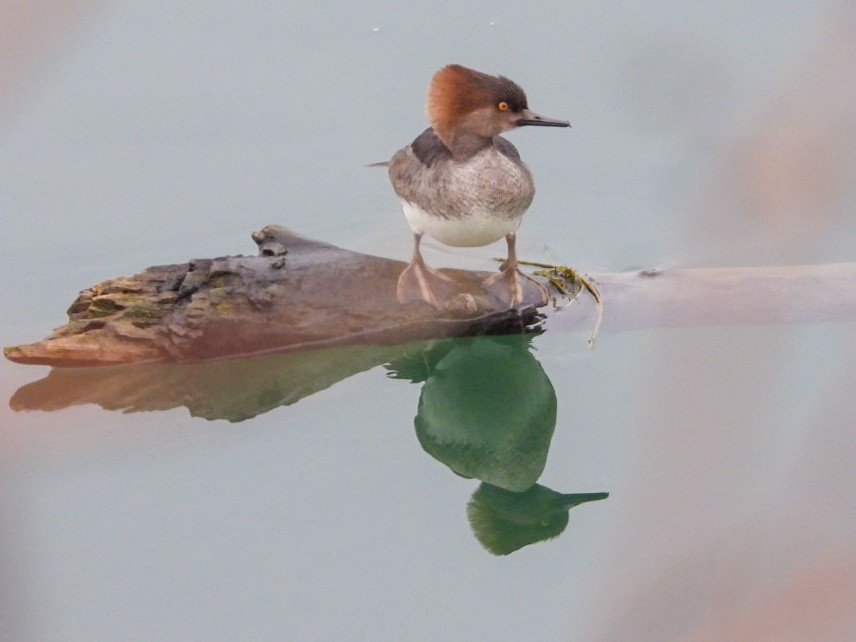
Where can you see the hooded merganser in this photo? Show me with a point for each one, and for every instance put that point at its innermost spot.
(464, 185)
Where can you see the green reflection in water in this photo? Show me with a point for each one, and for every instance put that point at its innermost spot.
(487, 410)
(505, 522)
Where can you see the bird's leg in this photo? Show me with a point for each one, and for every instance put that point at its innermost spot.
(418, 282)
(511, 286)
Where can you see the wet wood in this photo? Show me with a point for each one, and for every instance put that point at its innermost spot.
(300, 294)
(296, 295)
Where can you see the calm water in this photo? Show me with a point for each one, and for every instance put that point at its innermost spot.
(315, 496)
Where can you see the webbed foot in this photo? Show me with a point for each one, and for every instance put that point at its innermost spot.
(511, 286)
(514, 288)
(418, 282)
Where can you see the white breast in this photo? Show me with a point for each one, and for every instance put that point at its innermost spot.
(478, 228)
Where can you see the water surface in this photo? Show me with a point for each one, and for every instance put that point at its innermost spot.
(240, 501)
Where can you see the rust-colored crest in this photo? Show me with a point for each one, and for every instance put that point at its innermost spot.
(456, 91)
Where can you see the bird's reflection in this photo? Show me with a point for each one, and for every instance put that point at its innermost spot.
(487, 410)
(504, 521)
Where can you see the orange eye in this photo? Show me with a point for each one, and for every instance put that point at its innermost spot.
(503, 106)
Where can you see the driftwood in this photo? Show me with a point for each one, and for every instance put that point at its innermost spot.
(296, 295)
(301, 294)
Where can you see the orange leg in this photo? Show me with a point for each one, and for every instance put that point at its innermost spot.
(418, 282)
(511, 286)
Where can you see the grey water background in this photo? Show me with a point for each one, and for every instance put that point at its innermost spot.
(704, 134)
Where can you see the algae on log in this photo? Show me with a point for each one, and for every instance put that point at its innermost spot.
(297, 294)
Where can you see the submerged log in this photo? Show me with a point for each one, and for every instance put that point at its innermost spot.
(297, 294)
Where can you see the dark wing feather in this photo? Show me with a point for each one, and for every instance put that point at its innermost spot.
(429, 149)
(506, 148)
